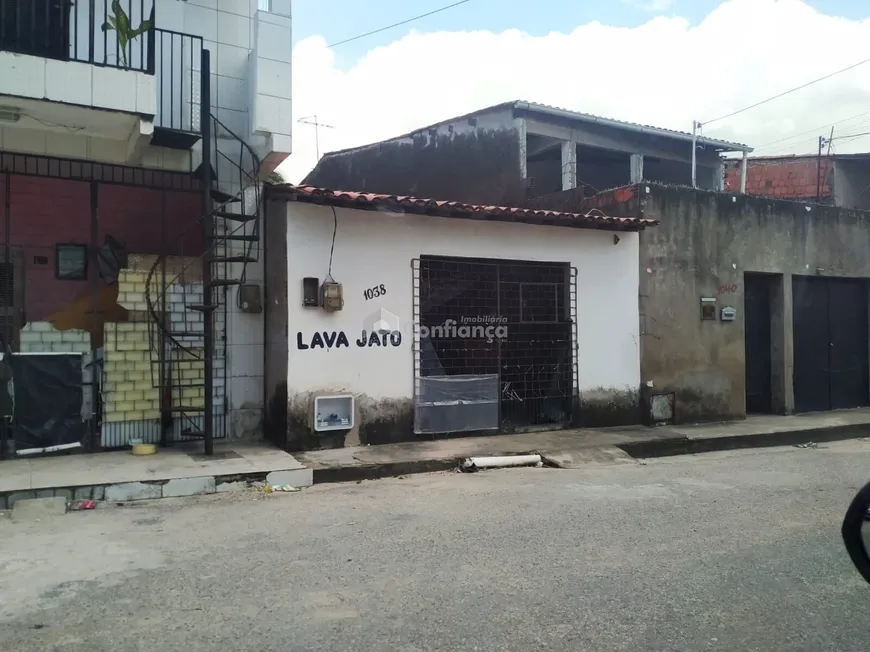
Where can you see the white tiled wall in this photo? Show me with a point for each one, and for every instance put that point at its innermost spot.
(250, 85)
(73, 82)
(238, 32)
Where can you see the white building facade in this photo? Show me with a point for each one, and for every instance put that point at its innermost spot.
(454, 318)
(119, 140)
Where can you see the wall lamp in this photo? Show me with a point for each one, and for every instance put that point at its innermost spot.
(9, 114)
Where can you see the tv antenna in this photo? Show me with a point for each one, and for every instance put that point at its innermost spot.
(312, 120)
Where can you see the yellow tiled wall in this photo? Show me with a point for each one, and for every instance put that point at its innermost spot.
(128, 387)
(131, 289)
(130, 375)
(131, 370)
(188, 369)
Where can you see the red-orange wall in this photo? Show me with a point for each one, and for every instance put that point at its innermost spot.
(45, 212)
(789, 177)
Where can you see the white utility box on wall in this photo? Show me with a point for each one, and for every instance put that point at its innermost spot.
(333, 413)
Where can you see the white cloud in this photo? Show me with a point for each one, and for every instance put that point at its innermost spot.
(664, 73)
(650, 5)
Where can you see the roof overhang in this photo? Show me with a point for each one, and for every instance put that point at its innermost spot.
(565, 114)
(593, 219)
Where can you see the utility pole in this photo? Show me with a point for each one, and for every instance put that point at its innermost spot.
(312, 120)
(819, 170)
(695, 125)
(822, 142)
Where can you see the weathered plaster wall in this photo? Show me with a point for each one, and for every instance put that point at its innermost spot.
(374, 249)
(852, 183)
(473, 160)
(705, 244)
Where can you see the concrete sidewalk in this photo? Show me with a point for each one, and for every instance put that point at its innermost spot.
(172, 472)
(575, 447)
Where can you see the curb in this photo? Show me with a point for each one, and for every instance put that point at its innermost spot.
(125, 492)
(685, 446)
(384, 470)
(668, 447)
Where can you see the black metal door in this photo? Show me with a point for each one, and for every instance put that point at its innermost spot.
(848, 343)
(830, 344)
(812, 377)
(756, 309)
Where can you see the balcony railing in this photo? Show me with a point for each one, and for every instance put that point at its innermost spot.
(72, 30)
(177, 59)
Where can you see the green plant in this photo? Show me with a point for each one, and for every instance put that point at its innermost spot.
(119, 22)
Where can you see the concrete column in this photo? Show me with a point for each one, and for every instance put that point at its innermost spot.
(720, 177)
(636, 168)
(782, 346)
(523, 142)
(743, 167)
(569, 165)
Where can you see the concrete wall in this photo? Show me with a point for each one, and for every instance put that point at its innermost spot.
(852, 183)
(374, 249)
(705, 244)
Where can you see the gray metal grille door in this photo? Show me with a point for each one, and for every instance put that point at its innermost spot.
(494, 344)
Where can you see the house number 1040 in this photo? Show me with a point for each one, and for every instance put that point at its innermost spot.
(375, 292)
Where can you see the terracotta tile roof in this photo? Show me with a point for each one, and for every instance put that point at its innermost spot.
(594, 219)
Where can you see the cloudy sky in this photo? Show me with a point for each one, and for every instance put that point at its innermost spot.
(659, 62)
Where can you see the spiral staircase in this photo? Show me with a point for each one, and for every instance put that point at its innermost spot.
(187, 295)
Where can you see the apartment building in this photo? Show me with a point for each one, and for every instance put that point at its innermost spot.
(134, 135)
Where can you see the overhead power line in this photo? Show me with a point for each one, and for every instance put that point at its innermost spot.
(788, 92)
(399, 24)
(815, 130)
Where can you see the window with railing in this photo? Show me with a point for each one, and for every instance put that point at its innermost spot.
(88, 31)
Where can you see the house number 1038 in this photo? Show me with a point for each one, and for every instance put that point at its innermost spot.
(375, 292)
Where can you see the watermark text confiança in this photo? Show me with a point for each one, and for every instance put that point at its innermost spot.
(474, 328)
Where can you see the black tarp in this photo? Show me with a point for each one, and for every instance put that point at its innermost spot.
(48, 400)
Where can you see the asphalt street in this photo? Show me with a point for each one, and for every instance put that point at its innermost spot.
(725, 551)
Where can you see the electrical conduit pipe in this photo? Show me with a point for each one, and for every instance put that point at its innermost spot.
(499, 461)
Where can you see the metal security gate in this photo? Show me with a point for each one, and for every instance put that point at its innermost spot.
(830, 343)
(50, 208)
(494, 344)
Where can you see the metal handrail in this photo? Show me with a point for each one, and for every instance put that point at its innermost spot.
(174, 58)
(208, 247)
